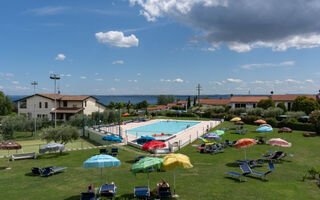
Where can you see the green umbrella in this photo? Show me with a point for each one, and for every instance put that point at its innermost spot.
(219, 132)
(145, 164)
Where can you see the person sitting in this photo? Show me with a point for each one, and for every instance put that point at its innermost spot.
(91, 188)
(163, 184)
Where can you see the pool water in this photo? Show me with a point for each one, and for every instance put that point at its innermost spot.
(168, 128)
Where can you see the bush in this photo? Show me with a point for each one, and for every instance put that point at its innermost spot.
(295, 125)
(295, 115)
(272, 121)
(315, 120)
(265, 103)
(249, 119)
(217, 109)
(305, 104)
(61, 134)
(255, 111)
(77, 120)
(237, 111)
(272, 112)
(282, 106)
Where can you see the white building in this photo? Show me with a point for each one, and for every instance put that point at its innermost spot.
(43, 105)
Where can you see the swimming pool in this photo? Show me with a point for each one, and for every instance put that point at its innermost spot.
(162, 129)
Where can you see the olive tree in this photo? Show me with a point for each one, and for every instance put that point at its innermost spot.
(61, 134)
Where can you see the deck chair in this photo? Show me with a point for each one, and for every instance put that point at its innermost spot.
(87, 196)
(103, 151)
(38, 171)
(164, 192)
(251, 163)
(142, 192)
(271, 166)
(244, 173)
(107, 191)
(114, 152)
(48, 171)
(260, 174)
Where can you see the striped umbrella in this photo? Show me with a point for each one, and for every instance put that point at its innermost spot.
(278, 142)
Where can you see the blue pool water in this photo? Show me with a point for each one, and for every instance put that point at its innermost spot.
(167, 127)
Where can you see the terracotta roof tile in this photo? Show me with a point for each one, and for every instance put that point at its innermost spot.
(182, 102)
(290, 97)
(67, 110)
(65, 97)
(215, 101)
(247, 99)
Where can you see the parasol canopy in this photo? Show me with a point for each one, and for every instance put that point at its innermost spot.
(51, 147)
(154, 144)
(264, 129)
(278, 142)
(10, 145)
(235, 119)
(112, 138)
(260, 121)
(239, 123)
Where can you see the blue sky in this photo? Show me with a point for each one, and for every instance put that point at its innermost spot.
(160, 47)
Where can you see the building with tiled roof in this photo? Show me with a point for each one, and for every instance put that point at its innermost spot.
(288, 99)
(215, 102)
(43, 105)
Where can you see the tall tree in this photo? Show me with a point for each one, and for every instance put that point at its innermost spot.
(62, 134)
(128, 106)
(265, 103)
(305, 104)
(188, 102)
(6, 105)
(162, 100)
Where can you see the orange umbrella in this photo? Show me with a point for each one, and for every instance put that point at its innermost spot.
(260, 121)
(126, 115)
(244, 143)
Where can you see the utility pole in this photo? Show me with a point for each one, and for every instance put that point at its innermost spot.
(34, 84)
(199, 89)
(55, 77)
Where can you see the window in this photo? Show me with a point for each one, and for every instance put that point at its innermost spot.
(40, 104)
(240, 105)
(46, 104)
(23, 103)
(85, 104)
(254, 105)
(65, 104)
(74, 106)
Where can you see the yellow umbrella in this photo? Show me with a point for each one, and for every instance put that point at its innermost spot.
(235, 119)
(174, 160)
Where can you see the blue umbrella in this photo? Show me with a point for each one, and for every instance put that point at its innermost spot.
(101, 161)
(264, 129)
(112, 138)
(145, 139)
(212, 136)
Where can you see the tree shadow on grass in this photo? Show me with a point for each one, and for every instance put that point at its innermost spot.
(3, 168)
(52, 155)
(237, 180)
(126, 196)
(75, 197)
(130, 161)
(233, 164)
(30, 174)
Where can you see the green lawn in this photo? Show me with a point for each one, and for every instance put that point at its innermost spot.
(206, 180)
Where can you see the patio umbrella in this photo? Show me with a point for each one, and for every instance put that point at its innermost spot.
(235, 119)
(264, 129)
(218, 132)
(278, 142)
(203, 140)
(145, 139)
(10, 146)
(173, 161)
(261, 125)
(145, 164)
(154, 144)
(260, 121)
(212, 136)
(51, 147)
(101, 161)
(125, 115)
(245, 143)
(239, 122)
(112, 138)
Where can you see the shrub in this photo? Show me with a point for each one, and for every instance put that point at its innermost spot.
(188, 114)
(272, 121)
(265, 103)
(255, 111)
(217, 109)
(272, 112)
(249, 119)
(295, 115)
(237, 111)
(305, 104)
(295, 125)
(315, 120)
(282, 106)
(77, 120)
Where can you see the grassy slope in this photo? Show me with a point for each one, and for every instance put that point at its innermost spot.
(205, 181)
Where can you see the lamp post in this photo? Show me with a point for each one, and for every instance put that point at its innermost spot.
(34, 84)
(55, 77)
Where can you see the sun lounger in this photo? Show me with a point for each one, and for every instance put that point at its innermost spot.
(251, 163)
(23, 156)
(114, 151)
(37, 170)
(103, 151)
(107, 191)
(48, 171)
(245, 172)
(260, 174)
(241, 132)
(87, 196)
(141, 192)
(164, 192)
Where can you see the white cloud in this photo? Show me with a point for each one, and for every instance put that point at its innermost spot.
(309, 81)
(1, 87)
(15, 82)
(178, 80)
(22, 88)
(165, 80)
(248, 25)
(96, 74)
(113, 89)
(119, 62)
(218, 83)
(257, 82)
(49, 10)
(293, 81)
(138, 74)
(117, 39)
(60, 56)
(232, 80)
(117, 80)
(83, 77)
(45, 89)
(135, 81)
(99, 79)
(263, 65)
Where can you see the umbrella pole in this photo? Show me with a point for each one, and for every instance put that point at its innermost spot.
(148, 180)
(245, 154)
(174, 181)
(101, 176)
(8, 160)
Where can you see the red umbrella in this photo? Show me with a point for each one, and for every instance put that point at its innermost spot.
(260, 121)
(153, 145)
(125, 115)
(244, 143)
